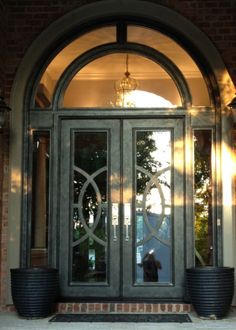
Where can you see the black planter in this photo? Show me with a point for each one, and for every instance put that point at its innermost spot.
(34, 291)
(211, 290)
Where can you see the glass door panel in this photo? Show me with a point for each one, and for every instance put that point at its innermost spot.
(153, 187)
(153, 227)
(89, 258)
(90, 184)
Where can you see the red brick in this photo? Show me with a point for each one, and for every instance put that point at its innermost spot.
(105, 307)
(84, 308)
(91, 307)
(156, 308)
(148, 308)
(98, 307)
(60, 307)
(77, 308)
(119, 308)
(163, 308)
(112, 307)
(169, 308)
(186, 308)
(133, 308)
(126, 308)
(140, 308)
(177, 308)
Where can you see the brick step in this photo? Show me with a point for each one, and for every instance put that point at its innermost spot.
(122, 307)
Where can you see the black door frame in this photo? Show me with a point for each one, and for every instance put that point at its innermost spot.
(121, 283)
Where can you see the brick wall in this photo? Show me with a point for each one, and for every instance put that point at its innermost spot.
(217, 19)
(28, 18)
(2, 42)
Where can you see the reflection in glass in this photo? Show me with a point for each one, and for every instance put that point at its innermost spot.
(203, 197)
(40, 199)
(153, 206)
(89, 239)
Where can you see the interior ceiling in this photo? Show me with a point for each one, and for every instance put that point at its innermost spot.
(113, 66)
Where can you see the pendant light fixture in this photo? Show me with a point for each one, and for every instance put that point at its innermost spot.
(124, 88)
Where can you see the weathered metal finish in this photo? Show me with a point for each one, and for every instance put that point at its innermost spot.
(110, 288)
(121, 171)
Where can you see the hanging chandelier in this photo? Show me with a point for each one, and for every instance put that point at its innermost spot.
(124, 88)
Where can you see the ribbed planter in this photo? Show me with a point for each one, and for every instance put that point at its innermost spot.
(211, 290)
(34, 291)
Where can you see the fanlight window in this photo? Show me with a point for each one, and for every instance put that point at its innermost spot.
(66, 56)
(94, 83)
(177, 55)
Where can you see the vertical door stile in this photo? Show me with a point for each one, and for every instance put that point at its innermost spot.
(127, 206)
(115, 201)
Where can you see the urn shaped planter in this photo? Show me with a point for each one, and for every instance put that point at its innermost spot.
(34, 291)
(211, 290)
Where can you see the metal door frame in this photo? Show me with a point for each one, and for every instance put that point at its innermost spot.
(130, 290)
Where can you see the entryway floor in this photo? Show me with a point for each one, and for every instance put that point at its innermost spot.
(10, 321)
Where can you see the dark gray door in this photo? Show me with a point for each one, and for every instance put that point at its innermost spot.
(122, 208)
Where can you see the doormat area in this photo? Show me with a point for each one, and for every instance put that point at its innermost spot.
(154, 318)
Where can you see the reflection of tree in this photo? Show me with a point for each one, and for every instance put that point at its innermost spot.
(90, 156)
(145, 148)
(203, 197)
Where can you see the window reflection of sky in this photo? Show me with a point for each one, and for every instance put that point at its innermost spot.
(161, 159)
(154, 206)
(144, 99)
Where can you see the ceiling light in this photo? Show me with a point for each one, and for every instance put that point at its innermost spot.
(124, 87)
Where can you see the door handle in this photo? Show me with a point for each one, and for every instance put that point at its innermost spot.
(115, 219)
(127, 219)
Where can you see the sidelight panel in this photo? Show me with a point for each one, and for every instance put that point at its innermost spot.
(203, 199)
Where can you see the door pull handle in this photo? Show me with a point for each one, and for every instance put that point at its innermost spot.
(115, 219)
(127, 219)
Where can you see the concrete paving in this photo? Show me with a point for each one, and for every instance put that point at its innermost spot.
(10, 321)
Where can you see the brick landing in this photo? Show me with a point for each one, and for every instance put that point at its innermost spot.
(111, 307)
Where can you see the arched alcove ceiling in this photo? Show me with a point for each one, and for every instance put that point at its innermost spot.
(148, 52)
(67, 53)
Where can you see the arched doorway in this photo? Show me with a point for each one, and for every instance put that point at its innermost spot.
(115, 268)
(121, 172)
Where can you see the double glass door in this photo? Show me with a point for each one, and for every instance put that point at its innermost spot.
(122, 208)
